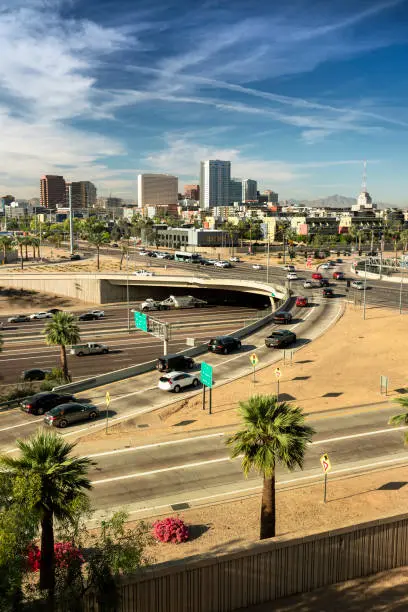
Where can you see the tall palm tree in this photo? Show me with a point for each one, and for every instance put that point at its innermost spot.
(35, 243)
(401, 419)
(62, 478)
(98, 239)
(6, 243)
(19, 243)
(62, 330)
(274, 433)
(124, 251)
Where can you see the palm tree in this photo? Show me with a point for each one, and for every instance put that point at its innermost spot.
(124, 250)
(62, 478)
(98, 238)
(401, 419)
(62, 330)
(35, 243)
(6, 243)
(19, 243)
(404, 238)
(274, 432)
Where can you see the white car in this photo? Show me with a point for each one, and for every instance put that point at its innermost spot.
(162, 255)
(212, 261)
(175, 381)
(308, 284)
(143, 273)
(236, 259)
(257, 267)
(357, 285)
(222, 264)
(291, 276)
(289, 268)
(98, 313)
(144, 253)
(325, 266)
(41, 315)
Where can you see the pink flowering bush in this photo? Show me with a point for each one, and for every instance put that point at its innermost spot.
(65, 553)
(170, 530)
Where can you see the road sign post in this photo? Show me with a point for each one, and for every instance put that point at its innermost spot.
(278, 374)
(254, 360)
(326, 465)
(383, 384)
(107, 402)
(206, 376)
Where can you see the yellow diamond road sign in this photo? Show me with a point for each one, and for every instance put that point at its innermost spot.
(326, 464)
(253, 359)
(278, 373)
(107, 399)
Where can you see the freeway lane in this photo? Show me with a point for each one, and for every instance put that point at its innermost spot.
(176, 471)
(140, 394)
(22, 353)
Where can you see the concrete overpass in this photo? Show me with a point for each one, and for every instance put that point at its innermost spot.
(103, 288)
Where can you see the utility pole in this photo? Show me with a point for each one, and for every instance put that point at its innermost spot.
(267, 258)
(365, 287)
(127, 290)
(71, 228)
(401, 287)
(284, 247)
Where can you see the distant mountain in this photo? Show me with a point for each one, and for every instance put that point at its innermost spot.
(334, 201)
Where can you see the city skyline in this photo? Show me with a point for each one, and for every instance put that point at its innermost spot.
(294, 99)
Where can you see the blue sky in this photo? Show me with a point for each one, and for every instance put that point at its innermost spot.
(295, 96)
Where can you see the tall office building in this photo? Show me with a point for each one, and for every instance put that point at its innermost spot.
(235, 190)
(52, 191)
(215, 177)
(83, 194)
(249, 189)
(192, 192)
(157, 189)
(272, 196)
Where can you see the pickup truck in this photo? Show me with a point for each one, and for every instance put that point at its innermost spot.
(151, 304)
(91, 348)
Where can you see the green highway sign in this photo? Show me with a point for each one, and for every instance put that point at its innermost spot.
(141, 321)
(272, 294)
(206, 374)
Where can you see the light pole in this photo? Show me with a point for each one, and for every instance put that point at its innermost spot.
(401, 287)
(127, 290)
(365, 287)
(71, 228)
(267, 257)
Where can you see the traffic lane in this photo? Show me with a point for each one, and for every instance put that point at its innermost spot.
(135, 484)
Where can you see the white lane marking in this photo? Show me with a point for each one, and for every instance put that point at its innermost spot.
(20, 425)
(157, 445)
(361, 435)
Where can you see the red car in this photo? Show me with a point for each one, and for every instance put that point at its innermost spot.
(302, 301)
(317, 276)
(338, 275)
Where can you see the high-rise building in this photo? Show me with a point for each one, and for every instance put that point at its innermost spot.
(272, 196)
(83, 194)
(215, 177)
(156, 189)
(249, 188)
(235, 190)
(52, 191)
(192, 192)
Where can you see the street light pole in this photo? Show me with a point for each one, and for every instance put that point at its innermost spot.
(267, 259)
(71, 228)
(401, 286)
(365, 287)
(127, 290)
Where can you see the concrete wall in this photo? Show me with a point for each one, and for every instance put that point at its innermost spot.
(266, 571)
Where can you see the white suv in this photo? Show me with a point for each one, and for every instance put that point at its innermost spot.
(357, 285)
(175, 381)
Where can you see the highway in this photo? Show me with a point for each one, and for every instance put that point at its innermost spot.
(24, 347)
(154, 477)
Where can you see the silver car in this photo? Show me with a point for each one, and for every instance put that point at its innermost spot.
(65, 414)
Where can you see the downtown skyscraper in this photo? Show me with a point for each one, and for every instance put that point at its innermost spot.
(215, 179)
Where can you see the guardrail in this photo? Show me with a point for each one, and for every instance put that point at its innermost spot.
(116, 375)
(11, 403)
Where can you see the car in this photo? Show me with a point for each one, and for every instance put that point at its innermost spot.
(144, 253)
(339, 260)
(289, 268)
(280, 338)
(308, 284)
(65, 414)
(332, 263)
(162, 255)
(327, 292)
(224, 344)
(41, 315)
(168, 363)
(292, 276)
(325, 266)
(34, 374)
(372, 253)
(88, 316)
(75, 257)
(212, 262)
(175, 381)
(54, 310)
(346, 253)
(339, 275)
(18, 319)
(39, 403)
(257, 267)
(143, 273)
(323, 282)
(115, 245)
(206, 262)
(302, 301)
(152, 254)
(316, 276)
(99, 313)
(222, 264)
(234, 259)
(357, 285)
(282, 317)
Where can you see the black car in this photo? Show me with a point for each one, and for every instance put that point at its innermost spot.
(323, 282)
(174, 362)
(21, 318)
(75, 257)
(34, 374)
(54, 310)
(88, 316)
(206, 262)
(282, 317)
(42, 402)
(327, 292)
(280, 338)
(224, 344)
